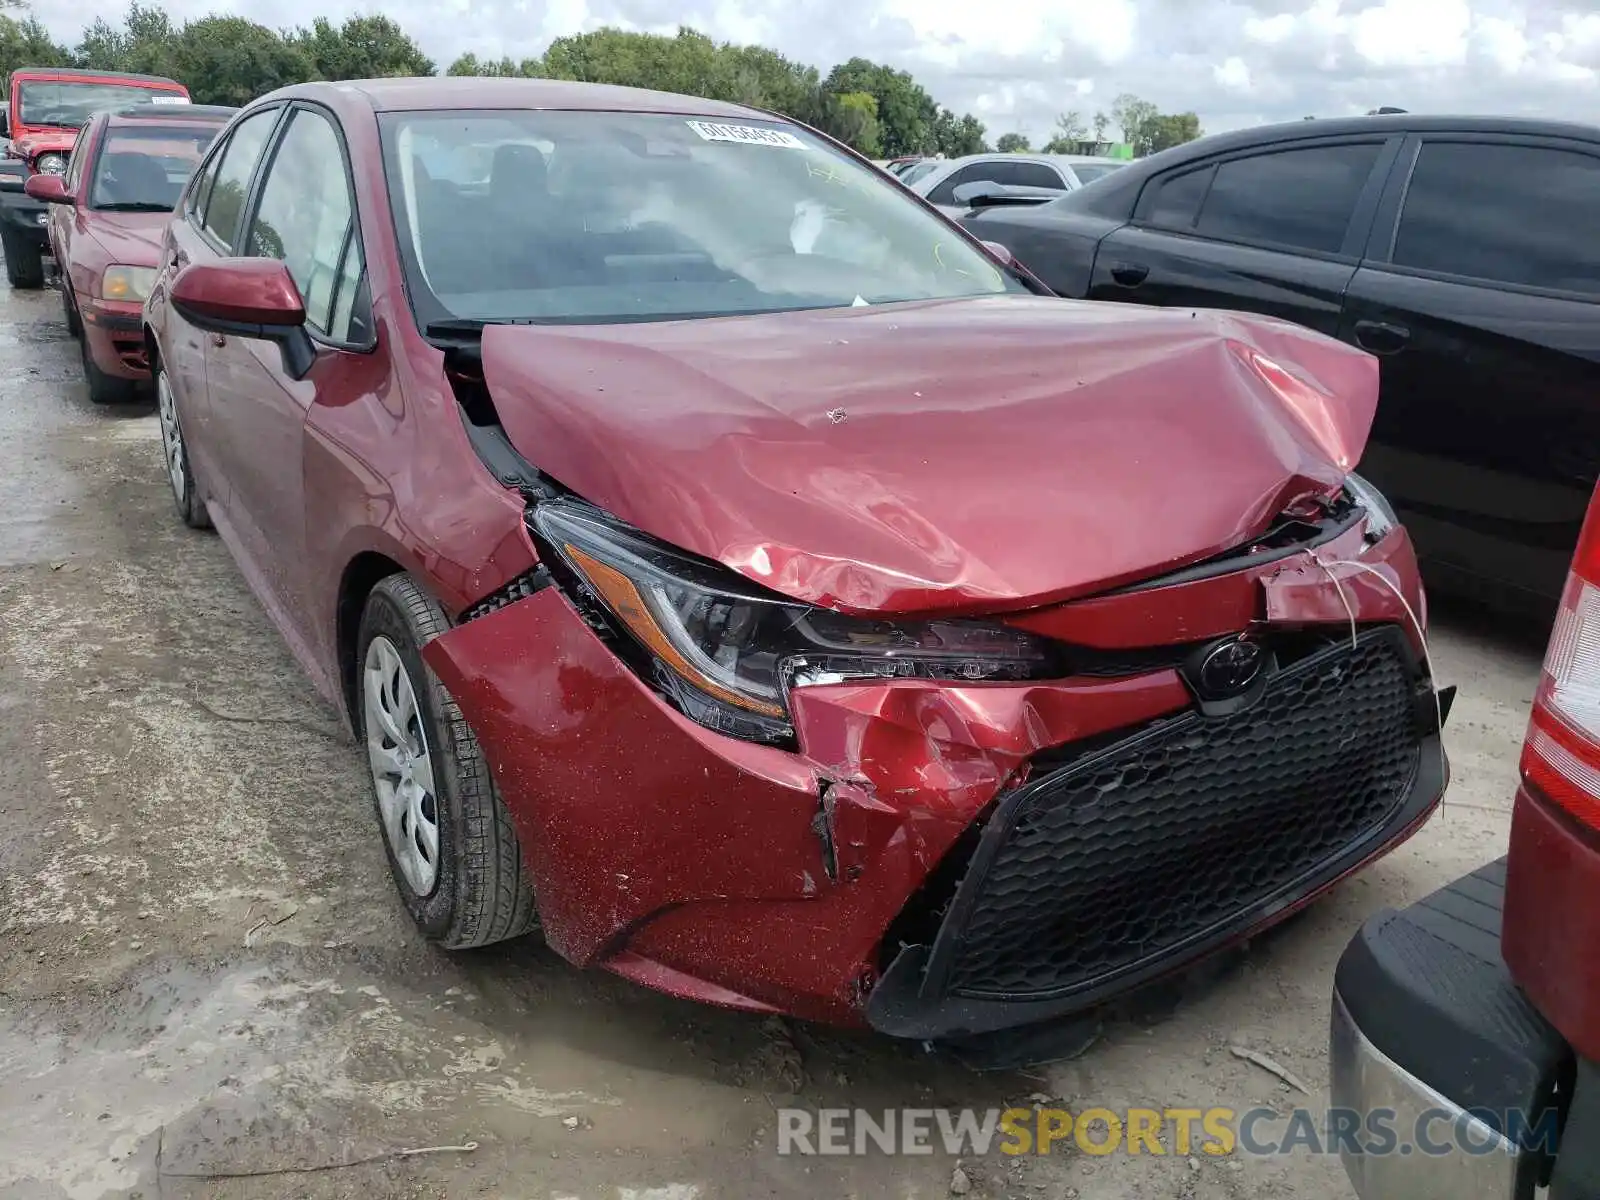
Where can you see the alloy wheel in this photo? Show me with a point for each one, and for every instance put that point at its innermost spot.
(402, 767)
(171, 437)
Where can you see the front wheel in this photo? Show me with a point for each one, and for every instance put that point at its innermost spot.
(452, 849)
(24, 262)
(191, 507)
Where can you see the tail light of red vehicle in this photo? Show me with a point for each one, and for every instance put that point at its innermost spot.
(1562, 753)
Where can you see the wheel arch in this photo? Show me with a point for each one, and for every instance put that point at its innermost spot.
(361, 574)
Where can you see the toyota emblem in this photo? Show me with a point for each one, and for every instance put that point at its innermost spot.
(1230, 668)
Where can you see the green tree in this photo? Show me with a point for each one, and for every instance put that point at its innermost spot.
(1131, 114)
(1150, 130)
(469, 64)
(1166, 130)
(854, 121)
(362, 48)
(954, 136)
(907, 115)
(28, 44)
(1013, 143)
(229, 60)
(1069, 132)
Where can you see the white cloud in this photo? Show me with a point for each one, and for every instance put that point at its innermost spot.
(1232, 74)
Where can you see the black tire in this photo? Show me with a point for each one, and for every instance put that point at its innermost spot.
(190, 504)
(103, 388)
(74, 322)
(24, 262)
(481, 893)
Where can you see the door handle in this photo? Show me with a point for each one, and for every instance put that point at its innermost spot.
(218, 340)
(1129, 274)
(1380, 337)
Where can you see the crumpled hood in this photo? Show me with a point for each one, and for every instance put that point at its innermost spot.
(954, 456)
(132, 239)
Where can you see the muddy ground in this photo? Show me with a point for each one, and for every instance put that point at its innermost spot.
(204, 973)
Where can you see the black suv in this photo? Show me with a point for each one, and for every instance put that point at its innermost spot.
(1465, 252)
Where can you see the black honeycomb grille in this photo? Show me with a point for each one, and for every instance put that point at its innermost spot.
(523, 586)
(1180, 829)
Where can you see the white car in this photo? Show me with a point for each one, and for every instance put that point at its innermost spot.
(1058, 172)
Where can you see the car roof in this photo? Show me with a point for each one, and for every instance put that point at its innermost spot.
(1111, 194)
(436, 93)
(1069, 160)
(166, 114)
(1393, 123)
(65, 73)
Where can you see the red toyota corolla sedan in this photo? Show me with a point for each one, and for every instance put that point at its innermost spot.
(734, 570)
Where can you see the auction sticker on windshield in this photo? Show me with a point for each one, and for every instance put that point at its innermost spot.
(750, 135)
(159, 98)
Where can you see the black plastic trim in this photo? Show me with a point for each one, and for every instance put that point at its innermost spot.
(911, 1001)
(1427, 986)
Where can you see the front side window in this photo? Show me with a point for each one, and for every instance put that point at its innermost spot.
(69, 105)
(222, 207)
(306, 214)
(1502, 213)
(81, 150)
(144, 170)
(1299, 199)
(596, 217)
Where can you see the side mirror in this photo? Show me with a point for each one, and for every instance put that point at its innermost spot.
(5, 123)
(969, 194)
(1001, 252)
(52, 189)
(247, 297)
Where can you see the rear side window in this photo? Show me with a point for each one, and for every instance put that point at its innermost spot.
(1508, 214)
(1301, 199)
(225, 204)
(1178, 197)
(1026, 174)
(306, 218)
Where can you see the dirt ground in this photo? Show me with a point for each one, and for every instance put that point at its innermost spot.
(204, 972)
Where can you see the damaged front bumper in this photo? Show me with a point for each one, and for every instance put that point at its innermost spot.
(939, 859)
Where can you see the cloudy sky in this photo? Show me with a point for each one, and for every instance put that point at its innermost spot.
(1016, 64)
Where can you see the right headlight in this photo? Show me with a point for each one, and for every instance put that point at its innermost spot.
(1381, 517)
(727, 653)
(127, 283)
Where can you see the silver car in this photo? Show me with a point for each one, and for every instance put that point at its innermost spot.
(1057, 172)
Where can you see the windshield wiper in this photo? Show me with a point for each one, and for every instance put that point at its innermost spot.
(133, 206)
(473, 326)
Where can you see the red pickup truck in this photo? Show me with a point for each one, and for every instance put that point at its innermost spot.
(1473, 1017)
(46, 107)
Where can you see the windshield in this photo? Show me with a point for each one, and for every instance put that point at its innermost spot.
(1088, 171)
(70, 105)
(599, 216)
(144, 170)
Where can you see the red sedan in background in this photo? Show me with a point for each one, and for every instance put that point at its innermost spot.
(108, 210)
(733, 568)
